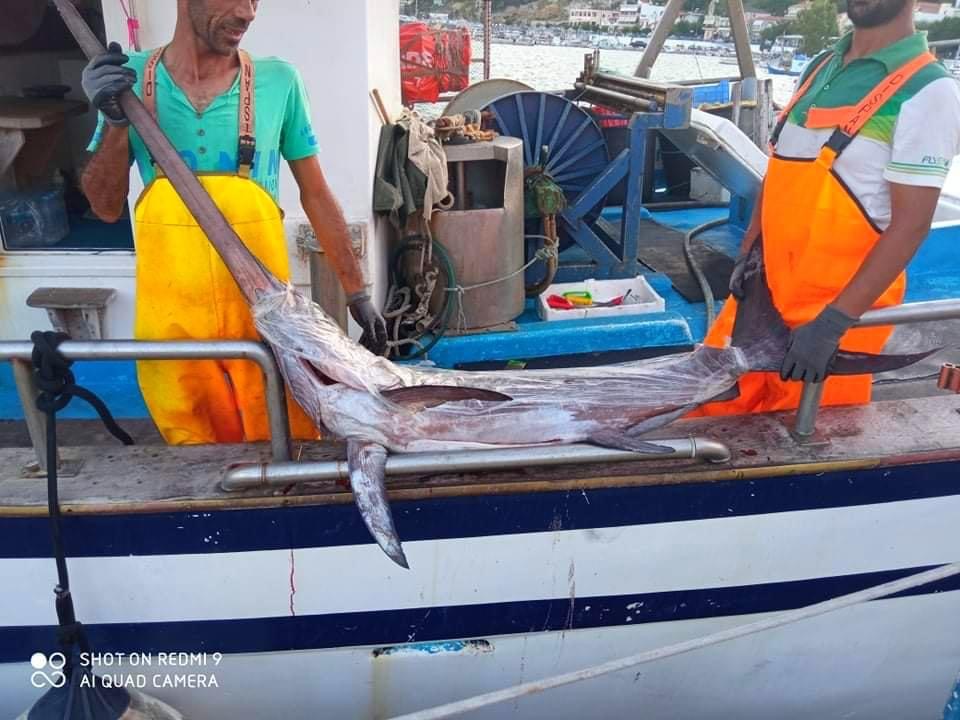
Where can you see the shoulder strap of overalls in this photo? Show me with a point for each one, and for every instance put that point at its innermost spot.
(247, 143)
(247, 148)
(850, 121)
(797, 96)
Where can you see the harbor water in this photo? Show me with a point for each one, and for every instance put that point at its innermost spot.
(549, 68)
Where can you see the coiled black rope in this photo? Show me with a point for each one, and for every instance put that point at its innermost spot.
(58, 387)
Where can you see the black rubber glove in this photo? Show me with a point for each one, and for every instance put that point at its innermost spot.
(104, 79)
(736, 277)
(813, 346)
(374, 337)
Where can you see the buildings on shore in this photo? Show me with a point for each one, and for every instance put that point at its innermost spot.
(645, 15)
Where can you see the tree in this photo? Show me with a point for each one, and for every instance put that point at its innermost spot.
(817, 24)
(683, 28)
(946, 29)
(774, 7)
(769, 34)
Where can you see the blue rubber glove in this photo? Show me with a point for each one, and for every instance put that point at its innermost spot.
(813, 346)
(104, 79)
(374, 337)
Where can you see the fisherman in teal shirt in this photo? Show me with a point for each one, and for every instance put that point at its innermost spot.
(207, 141)
(232, 118)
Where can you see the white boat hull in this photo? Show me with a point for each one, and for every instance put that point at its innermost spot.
(338, 631)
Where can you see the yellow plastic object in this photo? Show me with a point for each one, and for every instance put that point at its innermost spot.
(184, 291)
(581, 297)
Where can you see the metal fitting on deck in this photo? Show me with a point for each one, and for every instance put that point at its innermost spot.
(949, 378)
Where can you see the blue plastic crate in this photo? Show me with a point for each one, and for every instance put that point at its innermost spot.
(714, 93)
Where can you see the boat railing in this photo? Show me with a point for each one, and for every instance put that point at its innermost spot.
(282, 471)
(20, 353)
(267, 475)
(805, 424)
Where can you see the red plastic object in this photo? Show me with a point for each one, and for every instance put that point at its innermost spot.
(607, 117)
(433, 61)
(559, 303)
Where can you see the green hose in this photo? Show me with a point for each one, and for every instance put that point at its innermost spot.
(695, 268)
(441, 323)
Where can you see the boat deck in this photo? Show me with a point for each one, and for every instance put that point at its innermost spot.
(155, 478)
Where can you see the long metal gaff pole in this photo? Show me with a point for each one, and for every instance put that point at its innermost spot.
(245, 267)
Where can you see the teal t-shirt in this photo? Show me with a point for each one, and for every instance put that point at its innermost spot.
(207, 141)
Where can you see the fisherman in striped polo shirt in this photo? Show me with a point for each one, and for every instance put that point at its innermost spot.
(860, 155)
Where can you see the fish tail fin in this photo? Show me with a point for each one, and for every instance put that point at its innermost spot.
(761, 333)
(759, 329)
(367, 463)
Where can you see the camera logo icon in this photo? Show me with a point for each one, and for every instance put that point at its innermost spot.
(48, 671)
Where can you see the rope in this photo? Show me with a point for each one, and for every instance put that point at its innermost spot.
(133, 25)
(838, 603)
(409, 307)
(58, 387)
(544, 253)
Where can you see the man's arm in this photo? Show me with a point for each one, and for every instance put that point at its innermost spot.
(106, 179)
(328, 222)
(912, 211)
(330, 227)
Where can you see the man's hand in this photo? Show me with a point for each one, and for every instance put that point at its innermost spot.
(736, 277)
(813, 346)
(104, 79)
(374, 336)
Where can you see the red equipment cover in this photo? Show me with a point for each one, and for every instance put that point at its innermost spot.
(433, 61)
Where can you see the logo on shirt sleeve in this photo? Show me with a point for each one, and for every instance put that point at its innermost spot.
(937, 161)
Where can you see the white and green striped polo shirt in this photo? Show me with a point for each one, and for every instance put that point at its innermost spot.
(911, 140)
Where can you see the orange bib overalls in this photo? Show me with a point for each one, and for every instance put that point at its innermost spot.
(184, 291)
(815, 238)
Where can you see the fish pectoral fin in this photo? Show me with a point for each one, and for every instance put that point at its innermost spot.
(367, 465)
(620, 441)
(433, 395)
(856, 363)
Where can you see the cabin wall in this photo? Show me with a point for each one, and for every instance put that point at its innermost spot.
(383, 53)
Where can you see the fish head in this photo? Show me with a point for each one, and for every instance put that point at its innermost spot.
(293, 324)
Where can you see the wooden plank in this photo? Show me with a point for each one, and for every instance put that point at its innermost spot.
(67, 298)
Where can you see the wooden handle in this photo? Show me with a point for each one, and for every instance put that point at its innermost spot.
(381, 108)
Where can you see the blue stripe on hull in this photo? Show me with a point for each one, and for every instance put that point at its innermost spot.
(391, 627)
(485, 515)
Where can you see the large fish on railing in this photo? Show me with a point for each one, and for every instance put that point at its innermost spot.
(376, 405)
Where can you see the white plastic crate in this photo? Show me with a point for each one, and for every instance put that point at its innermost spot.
(643, 299)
